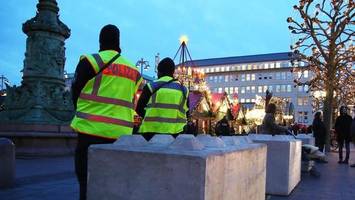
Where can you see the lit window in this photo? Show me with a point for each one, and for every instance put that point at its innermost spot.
(231, 90)
(247, 100)
(305, 74)
(236, 90)
(261, 66)
(278, 65)
(227, 68)
(300, 88)
(289, 88)
(299, 74)
(217, 69)
(226, 78)
(243, 67)
(253, 89)
(212, 69)
(278, 87)
(248, 89)
(272, 65)
(226, 89)
(265, 88)
(242, 100)
(222, 69)
(260, 89)
(255, 66)
(248, 77)
(233, 68)
(243, 77)
(299, 101)
(219, 90)
(305, 101)
(306, 88)
(207, 70)
(253, 77)
(266, 65)
(242, 90)
(253, 100)
(238, 67)
(249, 67)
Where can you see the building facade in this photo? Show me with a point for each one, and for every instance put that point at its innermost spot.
(252, 75)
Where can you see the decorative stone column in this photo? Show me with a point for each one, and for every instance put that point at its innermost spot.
(41, 99)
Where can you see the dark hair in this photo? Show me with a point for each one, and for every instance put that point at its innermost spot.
(317, 115)
(166, 67)
(271, 108)
(110, 38)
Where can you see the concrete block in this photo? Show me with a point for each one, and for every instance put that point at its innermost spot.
(306, 138)
(7, 163)
(211, 142)
(161, 140)
(188, 169)
(131, 140)
(283, 171)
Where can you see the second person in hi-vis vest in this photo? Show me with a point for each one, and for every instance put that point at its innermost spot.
(163, 103)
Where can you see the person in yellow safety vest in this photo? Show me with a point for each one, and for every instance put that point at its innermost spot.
(103, 90)
(163, 104)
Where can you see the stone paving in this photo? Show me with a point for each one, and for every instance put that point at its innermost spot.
(54, 178)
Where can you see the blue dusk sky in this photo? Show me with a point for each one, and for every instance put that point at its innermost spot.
(215, 28)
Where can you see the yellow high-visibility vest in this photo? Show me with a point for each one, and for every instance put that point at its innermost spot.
(166, 109)
(105, 107)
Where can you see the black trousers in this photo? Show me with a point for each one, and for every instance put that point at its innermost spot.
(81, 158)
(341, 143)
(319, 142)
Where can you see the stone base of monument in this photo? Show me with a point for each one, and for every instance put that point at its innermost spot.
(185, 168)
(283, 162)
(40, 140)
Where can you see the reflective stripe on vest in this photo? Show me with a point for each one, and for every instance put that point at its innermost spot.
(103, 111)
(99, 118)
(163, 119)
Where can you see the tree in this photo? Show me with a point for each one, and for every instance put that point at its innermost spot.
(325, 34)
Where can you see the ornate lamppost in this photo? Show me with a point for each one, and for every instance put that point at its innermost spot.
(143, 64)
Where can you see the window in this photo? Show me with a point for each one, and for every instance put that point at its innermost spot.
(242, 90)
(248, 89)
(278, 88)
(215, 79)
(261, 66)
(270, 88)
(253, 100)
(227, 68)
(283, 75)
(253, 77)
(230, 90)
(260, 76)
(247, 100)
(242, 100)
(255, 66)
(236, 90)
(278, 75)
(289, 75)
(220, 79)
(260, 89)
(238, 67)
(249, 67)
(265, 88)
(207, 70)
(226, 78)
(270, 75)
(266, 66)
(215, 90)
(236, 77)
(243, 67)
(219, 90)
(226, 90)
(289, 88)
(272, 65)
(278, 65)
(212, 69)
(248, 77)
(217, 69)
(222, 69)
(305, 89)
(302, 101)
(252, 89)
(283, 88)
(303, 117)
(243, 77)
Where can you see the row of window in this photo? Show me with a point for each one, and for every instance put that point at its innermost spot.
(302, 101)
(254, 89)
(253, 77)
(224, 68)
(302, 117)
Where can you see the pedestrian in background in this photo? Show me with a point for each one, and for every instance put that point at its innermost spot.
(342, 128)
(319, 131)
(103, 91)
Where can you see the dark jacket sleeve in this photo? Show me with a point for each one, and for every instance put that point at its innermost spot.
(143, 101)
(83, 73)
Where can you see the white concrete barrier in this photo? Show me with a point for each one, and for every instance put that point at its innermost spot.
(283, 171)
(188, 168)
(306, 138)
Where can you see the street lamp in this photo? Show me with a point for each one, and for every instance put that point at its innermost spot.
(143, 64)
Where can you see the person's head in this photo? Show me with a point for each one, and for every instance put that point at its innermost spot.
(318, 115)
(343, 110)
(271, 108)
(166, 67)
(110, 38)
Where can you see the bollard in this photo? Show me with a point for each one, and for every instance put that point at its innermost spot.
(7, 163)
